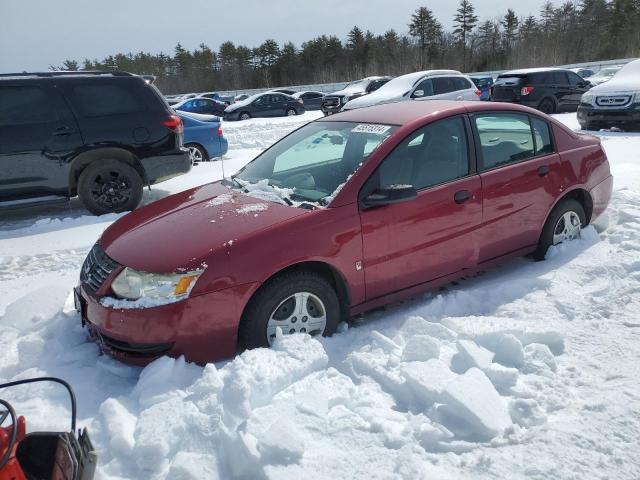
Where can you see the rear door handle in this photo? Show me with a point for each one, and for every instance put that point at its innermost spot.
(63, 131)
(462, 196)
(544, 170)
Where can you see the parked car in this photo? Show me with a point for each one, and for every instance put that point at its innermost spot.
(264, 105)
(427, 85)
(205, 106)
(394, 200)
(583, 72)
(240, 97)
(311, 100)
(550, 90)
(99, 135)
(603, 75)
(212, 95)
(483, 84)
(614, 103)
(333, 102)
(175, 99)
(203, 136)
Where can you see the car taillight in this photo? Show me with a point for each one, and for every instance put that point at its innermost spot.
(174, 123)
(478, 93)
(526, 91)
(220, 132)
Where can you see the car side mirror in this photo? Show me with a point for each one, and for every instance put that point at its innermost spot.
(388, 195)
(418, 93)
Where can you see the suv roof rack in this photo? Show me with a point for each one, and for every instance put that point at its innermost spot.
(115, 73)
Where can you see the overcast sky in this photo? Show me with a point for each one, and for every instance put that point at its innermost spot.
(37, 33)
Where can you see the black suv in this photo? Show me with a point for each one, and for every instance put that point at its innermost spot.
(550, 90)
(333, 102)
(99, 135)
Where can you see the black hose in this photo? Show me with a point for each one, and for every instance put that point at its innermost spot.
(14, 433)
(55, 380)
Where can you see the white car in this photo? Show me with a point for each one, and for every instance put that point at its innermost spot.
(427, 85)
(614, 103)
(603, 75)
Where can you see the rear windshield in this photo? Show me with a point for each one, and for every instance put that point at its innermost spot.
(509, 80)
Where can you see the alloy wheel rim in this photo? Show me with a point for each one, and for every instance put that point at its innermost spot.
(291, 112)
(244, 116)
(301, 312)
(567, 228)
(111, 190)
(195, 154)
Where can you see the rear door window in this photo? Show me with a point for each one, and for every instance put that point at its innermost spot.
(559, 78)
(504, 138)
(442, 85)
(25, 105)
(542, 134)
(541, 78)
(461, 83)
(96, 100)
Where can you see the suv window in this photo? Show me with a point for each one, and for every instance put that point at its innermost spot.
(575, 79)
(559, 78)
(443, 85)
(504, 138)
(461, 83)
(542, 134)
(434, 154)
(25, 105)
(106, 99)
(541, 78)
(426, 86)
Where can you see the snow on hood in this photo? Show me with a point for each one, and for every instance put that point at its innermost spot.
(627, 79)
(198, 116)
(243, 103)
(394, 90)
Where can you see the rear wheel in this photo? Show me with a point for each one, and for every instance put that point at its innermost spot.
(196, 153)
(245, 116)
(297, 302)
(547, 106)
(291, 112)
(563, 225)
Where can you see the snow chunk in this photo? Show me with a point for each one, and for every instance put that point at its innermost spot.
(281, 444)
(219, 200)
(252, 208)
(502, 377)
(526, 412)
(470, 354)
(507, 347)
(538, 358)
(427, 379)
(418, 326)
(194, 466)
(421, 348)
(263, 191)
(120, 424)
(473, 399)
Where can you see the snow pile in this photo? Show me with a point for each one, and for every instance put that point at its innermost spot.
(252, 208)
(262, 190)
(219, 200)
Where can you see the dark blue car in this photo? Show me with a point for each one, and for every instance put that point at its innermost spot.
(203, 136)
(483, 84)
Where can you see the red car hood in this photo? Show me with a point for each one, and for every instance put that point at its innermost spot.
(182, 230)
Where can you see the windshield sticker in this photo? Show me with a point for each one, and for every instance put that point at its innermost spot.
(371, 128)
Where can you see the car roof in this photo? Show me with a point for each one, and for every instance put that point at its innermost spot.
(524, 71)
(403, 113)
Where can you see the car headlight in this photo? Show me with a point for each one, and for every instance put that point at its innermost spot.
(588, 98)
(345, 99)
(133, 285)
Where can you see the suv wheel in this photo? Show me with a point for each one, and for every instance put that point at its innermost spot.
(298, 302)
(547, 106)
(563, 224)
(109, 186)
(291, 112)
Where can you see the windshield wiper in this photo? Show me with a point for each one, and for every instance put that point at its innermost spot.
(232, 182)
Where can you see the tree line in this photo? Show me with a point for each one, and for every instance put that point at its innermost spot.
(575, 31)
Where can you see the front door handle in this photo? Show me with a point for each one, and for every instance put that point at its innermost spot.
(462, 196)
(544, 170)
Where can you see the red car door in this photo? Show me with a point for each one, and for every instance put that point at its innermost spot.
(433, 235)
(520, 177)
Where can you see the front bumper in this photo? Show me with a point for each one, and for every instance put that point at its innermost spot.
(590, 115)
(202, 329)
(163, 167)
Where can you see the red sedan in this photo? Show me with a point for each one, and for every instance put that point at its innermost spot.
(343, 215)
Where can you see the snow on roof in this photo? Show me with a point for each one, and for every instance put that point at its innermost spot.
(524, 71)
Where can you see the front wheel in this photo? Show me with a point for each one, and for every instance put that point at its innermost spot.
(298, 302)
(563, 225)
(291, 112)
(108, 186)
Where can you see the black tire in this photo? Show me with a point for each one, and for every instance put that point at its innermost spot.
(291, 112)
(199, 156)
(546, 238)
(547, 106)
(253, 326)
(244, 116)
(108, 186)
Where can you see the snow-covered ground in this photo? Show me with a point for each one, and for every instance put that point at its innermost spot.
(528, 371)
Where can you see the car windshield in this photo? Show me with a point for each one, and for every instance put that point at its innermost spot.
(605, 72)
(356, 83)
(310, 166)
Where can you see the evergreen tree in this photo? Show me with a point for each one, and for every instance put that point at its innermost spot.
(465, 20)
(427, 31)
